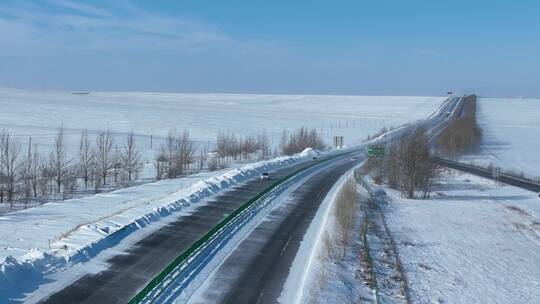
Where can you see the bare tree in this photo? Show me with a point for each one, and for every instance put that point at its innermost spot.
(86, 158)
(117, 166)
(186, 152)
(161, 164)
(103, 154)
(27, 172)
(35, 169)
(221, 145)
(131, 157)
(407, 165)
(70, 183)
(203, 157)
(45, 176)
(228, 146)
(345, 211)
(9, 159)
(213, 163)
(301, 139)
(283, 140)
(58, 160)
(263, 145)
(171, 149)
(417, 170)
(248, 147)
(393, 165)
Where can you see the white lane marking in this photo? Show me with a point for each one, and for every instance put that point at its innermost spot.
(260, 298)
(286, 244)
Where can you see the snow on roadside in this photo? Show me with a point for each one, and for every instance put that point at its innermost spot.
(78, 229)
(472, 242)
(309, 264)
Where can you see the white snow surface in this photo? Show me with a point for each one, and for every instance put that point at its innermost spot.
(472, 242)
(511, 128)
(84, 224)
(39, 114)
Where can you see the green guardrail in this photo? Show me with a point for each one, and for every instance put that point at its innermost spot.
(228, 219)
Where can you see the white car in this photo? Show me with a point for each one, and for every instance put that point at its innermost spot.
(265, 175)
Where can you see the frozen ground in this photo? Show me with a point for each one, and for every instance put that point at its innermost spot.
(39, 114)
(511, 128)
(473, 242)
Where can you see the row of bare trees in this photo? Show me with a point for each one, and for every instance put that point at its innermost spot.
(407, 165)
(229, 146)
(33, 173)
(176, 155)
(300, 139)
(463, 135)
(232, 147)
(101, 162)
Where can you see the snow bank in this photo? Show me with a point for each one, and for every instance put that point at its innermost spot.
(42, 240)
(303, 272)
(472, 242)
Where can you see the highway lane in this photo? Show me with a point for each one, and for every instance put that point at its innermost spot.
(256, 270)
(129, 271)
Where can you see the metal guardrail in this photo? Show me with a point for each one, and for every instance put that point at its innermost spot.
(487, 173)
(202, 242)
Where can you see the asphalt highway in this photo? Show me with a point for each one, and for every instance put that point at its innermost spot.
(256, 270)
(130, 271)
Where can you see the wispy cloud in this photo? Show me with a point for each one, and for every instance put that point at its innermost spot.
(427, 53)
(60, 25)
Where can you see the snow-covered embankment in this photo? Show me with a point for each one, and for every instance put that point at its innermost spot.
(43, 240)
(316, 269)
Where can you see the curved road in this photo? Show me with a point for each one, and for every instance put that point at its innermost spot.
(257, 268)
(129, 271)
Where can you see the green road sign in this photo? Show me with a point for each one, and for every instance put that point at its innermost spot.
(375, 151)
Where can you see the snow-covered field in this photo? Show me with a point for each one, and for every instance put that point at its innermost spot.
(511, 128)
(39, 114)
(472, 242)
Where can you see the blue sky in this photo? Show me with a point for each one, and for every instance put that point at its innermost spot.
(319, 47)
